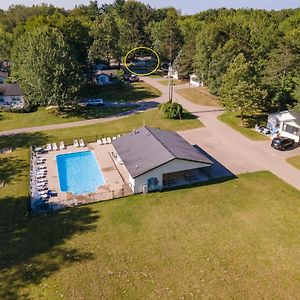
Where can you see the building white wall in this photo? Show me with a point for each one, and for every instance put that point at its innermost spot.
(282, 118)
(11, 100)
(175, 165)
(195, 81)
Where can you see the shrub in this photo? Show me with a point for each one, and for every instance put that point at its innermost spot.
(172, 110)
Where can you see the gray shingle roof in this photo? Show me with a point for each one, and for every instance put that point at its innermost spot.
(149, 148)
(12, 89)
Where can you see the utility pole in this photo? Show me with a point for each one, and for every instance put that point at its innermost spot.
(170, 71)
(171, 82)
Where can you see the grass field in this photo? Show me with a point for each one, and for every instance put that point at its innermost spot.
(138, 91)
(90, 133)
(234, 121)
(175, 82)
(294, 161)
(227, 240)
(196, 95)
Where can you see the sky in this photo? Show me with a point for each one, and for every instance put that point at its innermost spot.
(186, 6)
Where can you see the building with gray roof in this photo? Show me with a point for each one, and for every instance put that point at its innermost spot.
(157, 159)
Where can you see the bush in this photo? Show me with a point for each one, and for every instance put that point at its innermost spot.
(172, 110)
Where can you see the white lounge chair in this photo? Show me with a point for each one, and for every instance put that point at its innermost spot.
(118, 136)
(48, 147)
(104, 141)
(62, 146)
(42, 168)
(54, 147)
(75, 143)
(114, 138)
(109, 140)
(99, 142)
(81, 143)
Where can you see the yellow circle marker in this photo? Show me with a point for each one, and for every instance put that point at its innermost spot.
(138, 48)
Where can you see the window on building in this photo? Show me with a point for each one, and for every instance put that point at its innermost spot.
(291, 129)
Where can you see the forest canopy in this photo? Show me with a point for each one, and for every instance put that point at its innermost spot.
(262, 47)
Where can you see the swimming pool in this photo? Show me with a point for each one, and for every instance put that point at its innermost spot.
(79, 172)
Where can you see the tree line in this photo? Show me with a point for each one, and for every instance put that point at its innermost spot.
(249, 58)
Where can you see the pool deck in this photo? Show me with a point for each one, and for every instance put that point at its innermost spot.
(116, 177)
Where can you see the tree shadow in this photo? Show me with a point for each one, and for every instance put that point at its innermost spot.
(23, 140)
(32, 249)
(10, 167)
(251, 121)
(94, 112)
(188, 116)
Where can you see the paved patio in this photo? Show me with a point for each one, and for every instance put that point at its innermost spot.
(115, 185)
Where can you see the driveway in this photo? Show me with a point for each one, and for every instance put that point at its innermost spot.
(233, 150)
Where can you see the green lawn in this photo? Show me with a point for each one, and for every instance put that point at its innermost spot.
(230, 240)
(134, 92)
(198, 96)
(137, 91)
(233, 120)
(294, 161)
(175, 82)
(90, 133)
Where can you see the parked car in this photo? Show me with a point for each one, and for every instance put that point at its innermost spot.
(94, 102)
(281, 143)
(134, 78)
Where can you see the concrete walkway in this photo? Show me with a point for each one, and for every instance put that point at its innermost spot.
(233, 150)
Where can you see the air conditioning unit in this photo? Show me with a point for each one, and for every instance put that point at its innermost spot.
(145, 189)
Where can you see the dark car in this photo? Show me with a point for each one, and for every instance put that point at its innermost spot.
(281, 143)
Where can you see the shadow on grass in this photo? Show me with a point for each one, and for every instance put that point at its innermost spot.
(32, 249)
(123, 93)
(89, 113)
(189, 116)
(10, 167)
(251, 121)
(23, 140)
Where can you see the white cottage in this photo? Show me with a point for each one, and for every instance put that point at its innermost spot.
(105, 77)
(286, 123)
(11, 95)
(194, 80)
(156, 159)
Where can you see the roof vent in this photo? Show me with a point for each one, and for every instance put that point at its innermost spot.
(136, 166)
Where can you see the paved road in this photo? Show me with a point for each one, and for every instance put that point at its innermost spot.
(233, 150)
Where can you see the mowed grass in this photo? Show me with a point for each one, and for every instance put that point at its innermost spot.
(227, 240)
(90, 133)
(43, 116)
(136, 92)
(199, 96)
(175, 82)
(233, 120)
(294, 161)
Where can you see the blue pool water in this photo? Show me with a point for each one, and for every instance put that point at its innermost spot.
(79, 172)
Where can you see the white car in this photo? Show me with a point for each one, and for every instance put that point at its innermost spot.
(95, 102)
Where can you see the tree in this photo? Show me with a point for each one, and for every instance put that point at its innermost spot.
(172, 110)
(166, 36)
(278, 75)
(6, 42)
(46, 68)
(106, 36)
(239, 92)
